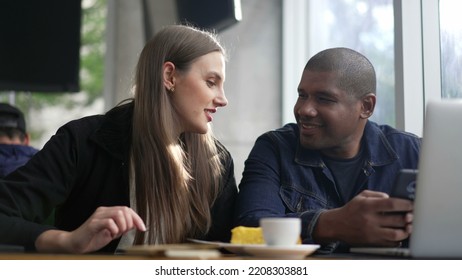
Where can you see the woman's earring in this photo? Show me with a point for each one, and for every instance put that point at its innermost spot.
(172, 89)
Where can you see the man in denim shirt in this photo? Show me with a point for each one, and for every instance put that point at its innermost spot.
(334, 169)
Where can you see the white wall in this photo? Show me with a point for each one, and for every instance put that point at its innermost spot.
(253, 83)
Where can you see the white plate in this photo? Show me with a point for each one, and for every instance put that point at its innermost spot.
(279, 252)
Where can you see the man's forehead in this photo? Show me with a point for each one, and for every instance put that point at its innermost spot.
(318, 78)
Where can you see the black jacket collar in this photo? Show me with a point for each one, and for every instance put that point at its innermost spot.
(114, 135)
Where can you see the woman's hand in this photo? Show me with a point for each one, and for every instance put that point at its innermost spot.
(105, 225)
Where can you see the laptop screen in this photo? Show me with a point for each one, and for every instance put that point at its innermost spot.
(437, 225)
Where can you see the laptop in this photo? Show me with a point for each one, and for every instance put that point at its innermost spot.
(437, 224)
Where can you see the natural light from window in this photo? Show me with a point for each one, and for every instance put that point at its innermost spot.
(371, 33)
(451, 48)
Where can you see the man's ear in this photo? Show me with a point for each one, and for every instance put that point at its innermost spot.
(367, 105)
(26, 141)
(168, 75)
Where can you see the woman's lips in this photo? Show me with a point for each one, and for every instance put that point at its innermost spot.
(208, 114)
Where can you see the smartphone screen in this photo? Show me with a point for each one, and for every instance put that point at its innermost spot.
(405, 184)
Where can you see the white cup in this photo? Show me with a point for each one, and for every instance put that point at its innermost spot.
(281, 231)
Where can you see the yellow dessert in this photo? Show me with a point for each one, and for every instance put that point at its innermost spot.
(247, 235)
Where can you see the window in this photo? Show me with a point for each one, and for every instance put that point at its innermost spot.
(416, 40)
(362, 25)
(451, 49)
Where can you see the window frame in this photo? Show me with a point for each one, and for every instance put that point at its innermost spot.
(417, 57)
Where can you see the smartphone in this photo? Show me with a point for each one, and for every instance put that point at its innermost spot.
(405, 184)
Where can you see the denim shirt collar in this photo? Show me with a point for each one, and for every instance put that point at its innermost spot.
(377, 149)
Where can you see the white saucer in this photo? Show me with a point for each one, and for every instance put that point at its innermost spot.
(265, 251)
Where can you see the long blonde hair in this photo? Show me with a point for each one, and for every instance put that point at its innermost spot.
(177, 180)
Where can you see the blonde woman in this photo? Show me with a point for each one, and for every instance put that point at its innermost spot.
(149, 171)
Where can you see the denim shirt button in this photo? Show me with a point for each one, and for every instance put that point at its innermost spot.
(366, 172)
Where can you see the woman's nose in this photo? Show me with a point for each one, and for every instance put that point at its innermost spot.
(221, 100)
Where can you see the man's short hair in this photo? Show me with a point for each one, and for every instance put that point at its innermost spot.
(356, 74)
(11, 118)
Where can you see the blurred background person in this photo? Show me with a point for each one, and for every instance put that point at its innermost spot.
(14, 140)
